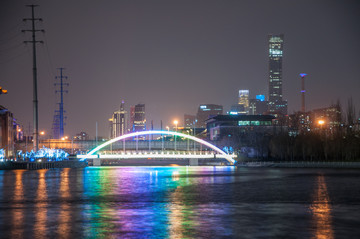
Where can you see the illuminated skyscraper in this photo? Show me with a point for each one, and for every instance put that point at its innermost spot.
(139, 118)
(118, 122)
(276, 102)
(244, 101)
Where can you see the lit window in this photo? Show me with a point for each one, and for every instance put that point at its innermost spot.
(243, 122)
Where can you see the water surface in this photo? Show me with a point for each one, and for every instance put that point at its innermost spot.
(180, 202)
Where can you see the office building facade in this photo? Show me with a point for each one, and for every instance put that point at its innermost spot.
(139, 123)
(258, 107)
(276, 103)
(244, 101)
(206, 111)
(118, 122)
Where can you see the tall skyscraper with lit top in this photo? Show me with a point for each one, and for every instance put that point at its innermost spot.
(276, 103)
(244, 101)
(118, 122)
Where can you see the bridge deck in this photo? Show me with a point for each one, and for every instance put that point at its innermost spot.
(147, 154)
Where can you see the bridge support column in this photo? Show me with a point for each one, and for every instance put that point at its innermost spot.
(193, 162)
(96, 162)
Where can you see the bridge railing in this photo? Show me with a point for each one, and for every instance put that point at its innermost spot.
(155, 154)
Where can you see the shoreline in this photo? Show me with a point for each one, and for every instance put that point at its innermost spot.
(299, 164)
(11, 165)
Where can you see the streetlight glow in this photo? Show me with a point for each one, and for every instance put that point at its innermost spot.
(321, 122)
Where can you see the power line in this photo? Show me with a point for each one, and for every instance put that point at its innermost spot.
(13, 58)
(9, 39)
(13, 28)
(49, 61)
(11, 47)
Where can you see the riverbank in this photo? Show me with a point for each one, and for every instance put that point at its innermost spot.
(300, 164)
(9, 165)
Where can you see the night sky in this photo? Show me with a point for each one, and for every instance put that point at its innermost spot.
(174, 55)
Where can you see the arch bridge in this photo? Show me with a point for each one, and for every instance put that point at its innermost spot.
(217, 152)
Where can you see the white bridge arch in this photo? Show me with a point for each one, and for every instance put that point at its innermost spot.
(135, 134)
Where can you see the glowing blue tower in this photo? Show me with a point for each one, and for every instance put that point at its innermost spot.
(58, 123)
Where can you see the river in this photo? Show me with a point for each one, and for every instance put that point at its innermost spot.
(180, 202)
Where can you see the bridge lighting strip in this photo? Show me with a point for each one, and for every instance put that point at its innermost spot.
(203, 142)
(121, 156)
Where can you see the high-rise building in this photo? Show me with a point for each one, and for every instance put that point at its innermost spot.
(118, 122)
(189, 120)
(276, 102)
(258, 106)
(244, 101)
(139, 123)
(206, 111)
(237, 110)
(132, 118)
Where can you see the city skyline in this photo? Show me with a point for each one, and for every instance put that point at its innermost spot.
(174, 57)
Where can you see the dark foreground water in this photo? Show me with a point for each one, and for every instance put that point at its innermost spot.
(180, 202)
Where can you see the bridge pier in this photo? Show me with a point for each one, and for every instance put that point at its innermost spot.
(96, 162)
(194, 162)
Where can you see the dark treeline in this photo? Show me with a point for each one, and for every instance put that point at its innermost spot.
(320, 145)
(315, 146)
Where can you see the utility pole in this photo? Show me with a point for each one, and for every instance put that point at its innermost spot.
(61, 104)
(35, 98)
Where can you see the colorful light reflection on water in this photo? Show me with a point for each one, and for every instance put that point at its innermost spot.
(177, 202)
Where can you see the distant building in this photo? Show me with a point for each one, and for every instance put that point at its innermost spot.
(224, 125)
(258, 107)
(237, 110)
(82, 136)
(118, 122)
(206, 111)
(132, 118)
(299, 122)
(331, 117)
(327, 119)
(276, 103)
(244, 101)
(139, 123)
(8, 132)
(247, 135)
(189, 120)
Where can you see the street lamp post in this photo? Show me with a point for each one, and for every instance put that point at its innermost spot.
(42, 133)
(321, 123)
(188, 140)
(194, 122)
(72, 145)
(176, 123)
